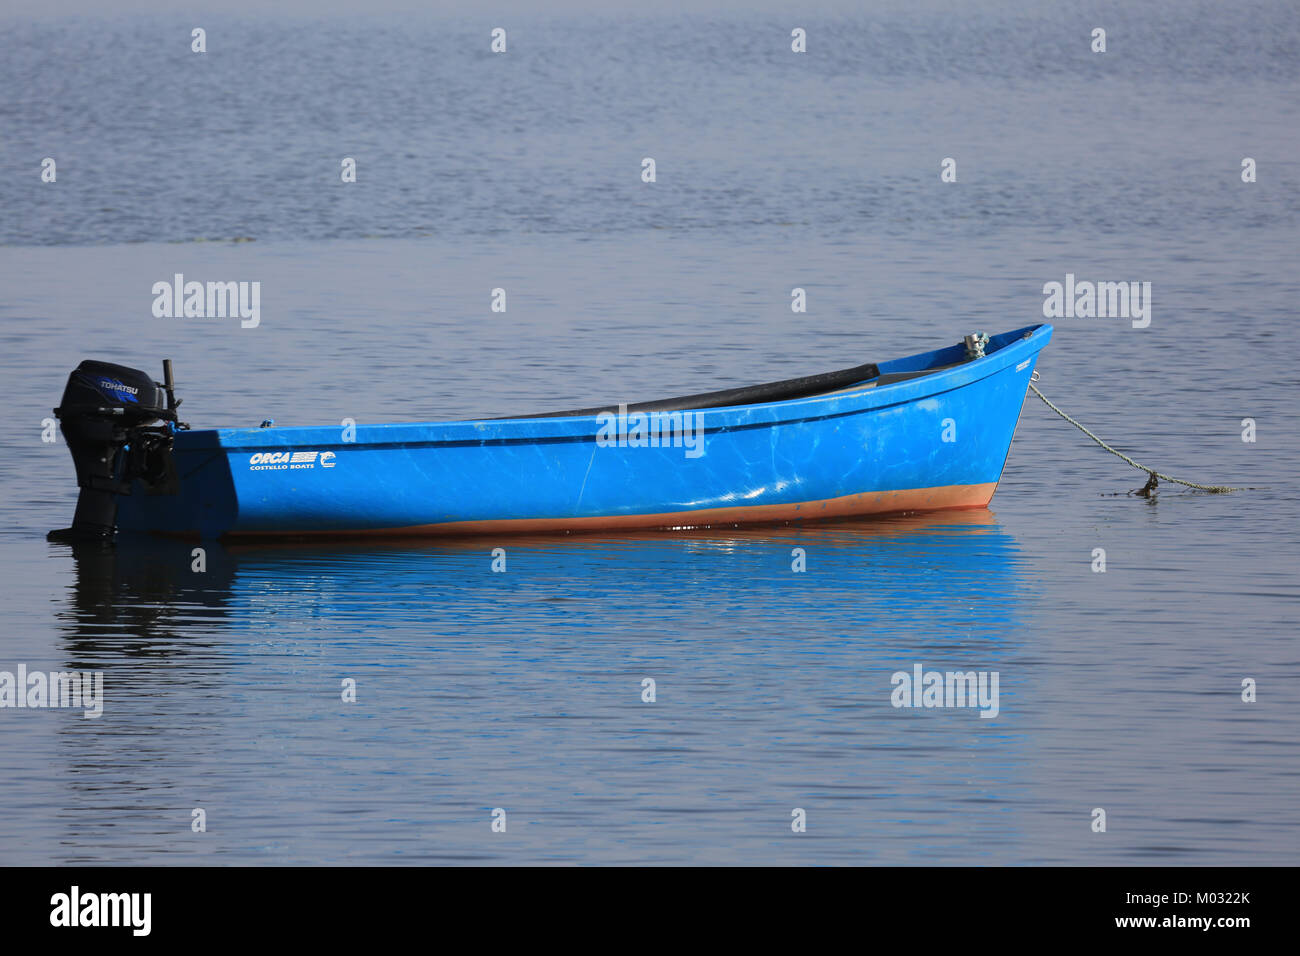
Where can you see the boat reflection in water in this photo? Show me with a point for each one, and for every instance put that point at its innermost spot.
(941, 589)
(920, 576)
(524, 688)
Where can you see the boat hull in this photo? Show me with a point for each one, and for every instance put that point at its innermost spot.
(924, 444)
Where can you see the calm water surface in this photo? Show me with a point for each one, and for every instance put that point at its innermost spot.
(522, 690)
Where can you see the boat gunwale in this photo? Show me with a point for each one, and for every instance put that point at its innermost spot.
(539, 430)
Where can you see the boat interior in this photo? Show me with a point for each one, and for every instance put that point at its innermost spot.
(827, 383)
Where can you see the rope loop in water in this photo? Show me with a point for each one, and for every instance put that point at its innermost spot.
(1154, 477)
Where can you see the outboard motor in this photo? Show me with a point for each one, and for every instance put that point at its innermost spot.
(118, 423)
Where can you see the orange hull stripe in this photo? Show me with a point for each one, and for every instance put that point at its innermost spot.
(864, 503)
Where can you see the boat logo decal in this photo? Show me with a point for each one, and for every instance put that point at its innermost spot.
(122, 391)
(1023, 365)
(290, 460)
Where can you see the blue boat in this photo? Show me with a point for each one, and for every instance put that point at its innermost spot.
(924, 433)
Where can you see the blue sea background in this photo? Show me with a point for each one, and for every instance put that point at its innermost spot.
(476, 690)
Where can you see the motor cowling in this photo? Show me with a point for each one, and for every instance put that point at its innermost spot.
(118, 423)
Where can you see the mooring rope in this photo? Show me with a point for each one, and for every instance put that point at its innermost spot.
(1151, 481)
